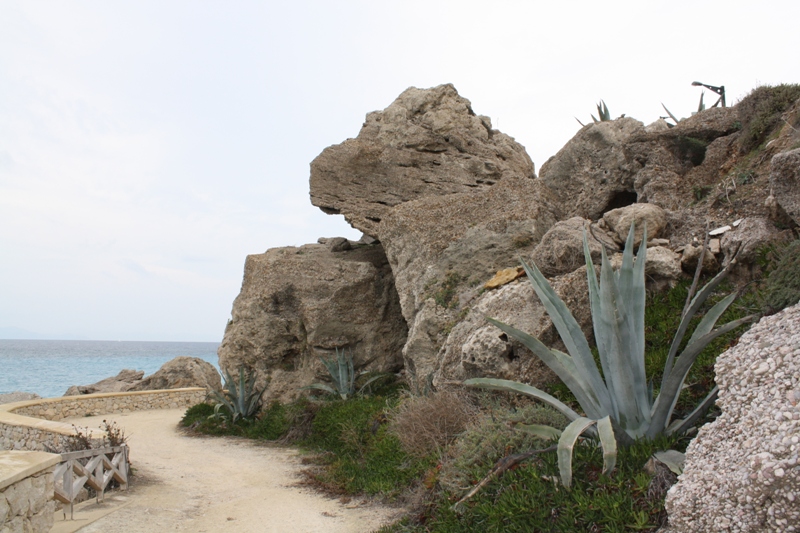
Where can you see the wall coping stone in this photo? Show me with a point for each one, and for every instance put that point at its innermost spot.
(10, 418)
(17, 465)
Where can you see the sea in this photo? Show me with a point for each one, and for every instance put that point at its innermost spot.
(49, 367)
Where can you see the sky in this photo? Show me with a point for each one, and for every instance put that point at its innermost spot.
(146, 148)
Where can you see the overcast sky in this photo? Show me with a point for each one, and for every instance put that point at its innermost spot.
(147, 147)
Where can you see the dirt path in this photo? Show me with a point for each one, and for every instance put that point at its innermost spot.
(200, 484)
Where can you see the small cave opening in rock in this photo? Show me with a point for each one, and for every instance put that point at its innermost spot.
(621, 199)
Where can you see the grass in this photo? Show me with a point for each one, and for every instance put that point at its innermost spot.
(760, 113)
(354, 449)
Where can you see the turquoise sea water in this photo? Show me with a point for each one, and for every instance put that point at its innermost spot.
(49, 368)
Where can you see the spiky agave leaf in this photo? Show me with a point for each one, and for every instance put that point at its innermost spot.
(522, 388)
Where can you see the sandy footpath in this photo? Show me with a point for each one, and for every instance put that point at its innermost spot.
(203, 484)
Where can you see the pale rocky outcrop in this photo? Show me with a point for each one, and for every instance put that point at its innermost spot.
(592, 174)
(17, 396)
(742, 473)
(182, 372)
(428, 142)
(443, 249)
(297, 304)
(122, 382)
(476, 348)
(746, 240)
(619, 221)
(784, 182)
(561, 249)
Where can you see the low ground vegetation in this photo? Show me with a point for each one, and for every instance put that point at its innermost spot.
(428, 450)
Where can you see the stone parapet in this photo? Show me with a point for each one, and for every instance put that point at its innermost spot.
(33, 424)
(26, 491)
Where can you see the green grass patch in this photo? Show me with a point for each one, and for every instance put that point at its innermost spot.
(760, 113)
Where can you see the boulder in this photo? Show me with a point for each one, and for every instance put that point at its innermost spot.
(440, 248)
(561, 249)
(476, 348)
(620, 220)
(17, 396)
(182, 372)
(591, 174)
(784, 182)
(741, 472)
(297, 304)
(428, 142)
(691, 255)
(746, 240)
(122, 382)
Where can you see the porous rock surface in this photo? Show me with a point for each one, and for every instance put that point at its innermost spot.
(590, 172)
(182, 372)
(742, 472)
(476, 348)
(784, 182)
(428, 142)
(297, 304)
(443, 249)
(561, 249)
(122, 382)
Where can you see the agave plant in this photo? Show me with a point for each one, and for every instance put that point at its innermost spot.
(343, 376)
(241, 399)
(619, 405)
(602, 112)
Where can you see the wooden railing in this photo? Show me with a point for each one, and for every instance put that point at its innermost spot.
(92, 468)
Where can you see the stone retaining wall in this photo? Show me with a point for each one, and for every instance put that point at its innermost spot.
(26, 491)
(33, 425)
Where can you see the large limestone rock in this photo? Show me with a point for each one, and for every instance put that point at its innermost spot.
(561, 249)
(428, 142)
(784, 182)
(297, 304)
(620, 220)
(182, 372)
(475, 348)
(443, 249)
(122, 382)
(592, 174)
(742, 472)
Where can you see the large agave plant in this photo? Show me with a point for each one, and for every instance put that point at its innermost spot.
(619, 405)
(343, 376)
(241, 399)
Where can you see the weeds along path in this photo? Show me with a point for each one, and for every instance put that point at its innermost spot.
(204, 484)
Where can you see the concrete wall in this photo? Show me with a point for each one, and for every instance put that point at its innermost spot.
(26, 491)
(33, 424)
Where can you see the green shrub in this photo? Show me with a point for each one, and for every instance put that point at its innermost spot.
(783, 282)
(760, 113)
(529, 498)
(197, 413)
(359, 455)
(272, 424)
(491, 437)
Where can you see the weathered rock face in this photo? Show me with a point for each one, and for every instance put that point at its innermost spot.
(18, 396)
(180, 373)
(443, 249)
(561, 249)
(592, 174)
(620, 220)
(741, 472)
(476, 348)
(428, 142)
(300, 303)
(784, 182)
(122, 382)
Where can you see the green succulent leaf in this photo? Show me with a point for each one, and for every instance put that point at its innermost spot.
(541, 431)
(565, 445)
(522, 388)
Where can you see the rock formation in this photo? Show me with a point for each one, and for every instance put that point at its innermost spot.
(742, 472)
(297, 304)
(177, 373)
(182, 372)
(426, 143)
(122, 382)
